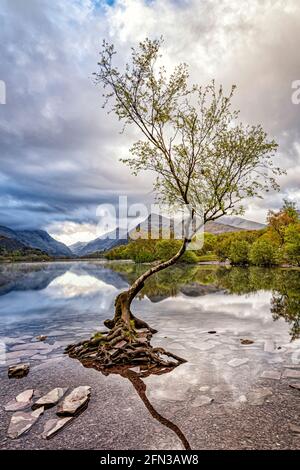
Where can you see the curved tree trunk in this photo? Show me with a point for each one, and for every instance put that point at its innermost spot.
(126, 344)
(124, 300)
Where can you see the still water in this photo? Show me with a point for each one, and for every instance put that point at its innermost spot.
(202, 313)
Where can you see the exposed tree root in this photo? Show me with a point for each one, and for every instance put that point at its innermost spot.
(123, 346)
(127, 342)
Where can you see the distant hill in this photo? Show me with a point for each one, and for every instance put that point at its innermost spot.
(158, 225)
(13, 249)
(38, 239)
(77, 247)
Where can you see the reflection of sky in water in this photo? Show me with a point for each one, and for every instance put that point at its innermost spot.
(83, 293)
(73, 299)
(251, 306)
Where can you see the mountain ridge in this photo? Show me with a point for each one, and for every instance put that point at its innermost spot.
(38, 239)
(105, 243)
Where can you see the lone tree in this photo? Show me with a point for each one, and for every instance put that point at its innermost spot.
(202, 156)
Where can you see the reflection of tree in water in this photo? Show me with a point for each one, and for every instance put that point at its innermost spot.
(284, 284)
(136, 380)
(285, 303)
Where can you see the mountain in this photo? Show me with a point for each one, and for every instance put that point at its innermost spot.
(77, 247)
(38, 239)
(158, 225)
(240, 223)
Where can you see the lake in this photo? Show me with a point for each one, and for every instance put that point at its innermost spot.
(202, 313)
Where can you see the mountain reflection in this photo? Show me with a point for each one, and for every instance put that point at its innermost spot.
(94, 285)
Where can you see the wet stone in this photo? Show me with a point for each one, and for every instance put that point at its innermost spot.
(292, 373)
(206, 346)
(21, 422)
(258, 396)
(204, 388)
(30, 346)
(50, 399)
(53, 426)
(246, 341)
(21, 401)
(236, 362)
(295, 385)
(202, 400)
(41, 337)
(294, 428)
(271, 374)
(18, 371)
(269, 346)
(75, 402)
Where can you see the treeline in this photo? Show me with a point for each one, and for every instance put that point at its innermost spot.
(279, 243)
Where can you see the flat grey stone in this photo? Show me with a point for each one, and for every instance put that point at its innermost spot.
(271, 374)
(236, 362)
(258, 396)
(19, 354)
(75, 402)
(204, 388)
(21, 422)
(202, 400)
(18, 371)
(223, 388)
(294, 428)
(292, 373)
(207, 346)
(269, 346)
(295, 385)
(50, 399)
(40, 357)
(243, 399)
(30, 346)
(52, 426)
(8, 340)
(21, 401)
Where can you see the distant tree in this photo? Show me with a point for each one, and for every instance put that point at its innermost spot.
(239, 252)
(264, 253)
(222, 248)
(202, 156)
(292, 243)
(279, 221)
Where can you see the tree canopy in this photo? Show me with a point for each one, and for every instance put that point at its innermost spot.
(191, 137)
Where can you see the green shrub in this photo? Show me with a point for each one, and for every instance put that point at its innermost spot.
(239, 252)
(263, 253)
(292, 243)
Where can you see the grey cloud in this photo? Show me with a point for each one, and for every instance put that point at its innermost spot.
(60, 150)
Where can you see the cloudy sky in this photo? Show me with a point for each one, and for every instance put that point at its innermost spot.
(59, 155)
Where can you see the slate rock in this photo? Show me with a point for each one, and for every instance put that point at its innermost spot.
(271, 374)
(53, 426)
(258, 396)
(236, 362)
(295, 385)
(246, 341)
(294, 428)
(75, 402)
(202, 400)
(292, 373)
(21, 422)
(41, 337)
(18, 371)
(50, 399)
(21, 401)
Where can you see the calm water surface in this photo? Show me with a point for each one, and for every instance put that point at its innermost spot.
(69, 301)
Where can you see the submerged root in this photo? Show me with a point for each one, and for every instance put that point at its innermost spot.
(124, 345)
